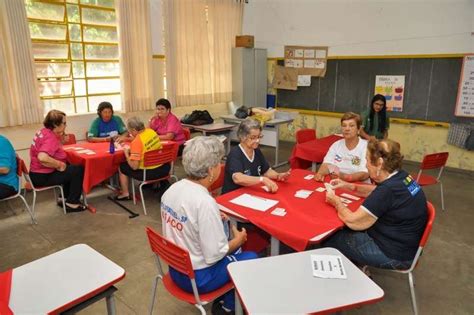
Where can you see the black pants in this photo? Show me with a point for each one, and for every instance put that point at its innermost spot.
(153, 173)
(70, 179)
(6, 191)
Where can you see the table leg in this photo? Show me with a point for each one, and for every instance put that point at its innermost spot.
(238, 305)
(110, 304)
(275, 247)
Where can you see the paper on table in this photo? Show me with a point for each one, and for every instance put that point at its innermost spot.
(328, 267)
(303, 193)
(348, 196)
(254, 202)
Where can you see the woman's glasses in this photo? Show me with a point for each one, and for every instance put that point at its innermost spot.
(255, 138)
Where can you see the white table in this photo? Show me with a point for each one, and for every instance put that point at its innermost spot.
(214, 128)
(285, 285)
(271, 132)
(62, 280)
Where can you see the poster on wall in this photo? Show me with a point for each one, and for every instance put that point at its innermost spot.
(393, 88)
(465, 100)
(308, 60)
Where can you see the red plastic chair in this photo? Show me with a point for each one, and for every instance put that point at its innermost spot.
(305, 135)
(430, 162)
(218, 183)
(167, 154)
(19, 173)
(178, 258)
(187, 133)
(421, 246)
(71, 140)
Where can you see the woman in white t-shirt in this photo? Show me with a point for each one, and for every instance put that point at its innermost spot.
(346, 157)
(191, 219)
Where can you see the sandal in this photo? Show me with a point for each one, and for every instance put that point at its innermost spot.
(80, 208)
(122, 198)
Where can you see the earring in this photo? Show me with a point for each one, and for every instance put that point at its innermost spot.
(378, 173)
(211, 178)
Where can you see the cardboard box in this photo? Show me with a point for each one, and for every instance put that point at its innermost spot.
(244, 41)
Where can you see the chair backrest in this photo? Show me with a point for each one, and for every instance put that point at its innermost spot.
(435, 160)
(305, 135)
(167, 154)
(174, 255)
(220, 180)
(22, 169)
(71, 140)
(187, 133)
(426, 234)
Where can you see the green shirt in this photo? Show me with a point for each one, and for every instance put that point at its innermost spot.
(101, 129)
(375, 128)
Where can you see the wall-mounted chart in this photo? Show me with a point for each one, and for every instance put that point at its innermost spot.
(392, 87)
(465, 100)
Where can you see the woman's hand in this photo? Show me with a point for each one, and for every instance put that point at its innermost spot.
(239, 235)
(338, 183)
(271, 185)
(61, 167)
(319, 177)
(281, 177)
(332, 199)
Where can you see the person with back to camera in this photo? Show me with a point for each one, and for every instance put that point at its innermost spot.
(375, 120)
(346, 157)
(48, 164)
(9, 183)
(246, 165)
(167, 125)
(192, 220)
(106, 126)
(385, 231)
(144, 140)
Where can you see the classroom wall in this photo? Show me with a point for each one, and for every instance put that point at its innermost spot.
(362, 27)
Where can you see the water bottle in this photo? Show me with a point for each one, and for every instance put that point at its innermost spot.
(112, 146)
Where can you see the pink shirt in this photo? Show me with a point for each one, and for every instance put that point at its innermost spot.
(46, 141)
(170, 124)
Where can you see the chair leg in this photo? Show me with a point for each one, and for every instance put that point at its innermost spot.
(62, 197)
(33, 220)
(153, 294)
(411, 282)
(142, 198)
(33, 203)
(442, 195)
(199, 306)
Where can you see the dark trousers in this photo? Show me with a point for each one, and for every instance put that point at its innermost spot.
(70, 179)
(153, 173)
(6, 191)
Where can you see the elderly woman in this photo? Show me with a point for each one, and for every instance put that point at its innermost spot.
(246, 165)
(346, 157)
(375, 121)
(386, 230)
(166, 124)
(144, 140)
(192, 220)
(49, 166)
(106, 126)
(8, 178)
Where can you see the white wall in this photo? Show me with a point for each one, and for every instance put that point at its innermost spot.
(362, 27)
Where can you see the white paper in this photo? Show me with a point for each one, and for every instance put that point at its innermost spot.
(329, 188)
(319, 64)
(308, 177)
(344, 200)
(289, 63)
(266, 188)
(320, 53)
(304, 80)
(299, 53)
(328, 267)
(279, 212)
(309, 53)
(348, 196)
(298, 63)
(86, 151)
(320, 189)
(90, 153)
(303, 193)
(310, 63)
(254, 202)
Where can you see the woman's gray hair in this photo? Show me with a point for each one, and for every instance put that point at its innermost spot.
(135, 123)
(245, 127)
(200, 154)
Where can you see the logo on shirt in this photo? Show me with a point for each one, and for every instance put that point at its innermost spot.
(411, 185)
(355, 160)
(259, 170)
(247, 172)
(169, 216)
(338, 158)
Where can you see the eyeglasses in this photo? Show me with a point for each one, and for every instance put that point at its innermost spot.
(255, 138)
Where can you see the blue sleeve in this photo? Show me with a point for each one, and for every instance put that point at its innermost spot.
(379, 201)
(5, 154)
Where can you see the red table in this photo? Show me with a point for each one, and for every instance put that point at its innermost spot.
(307, 220)
(97, 167)
(314, 151)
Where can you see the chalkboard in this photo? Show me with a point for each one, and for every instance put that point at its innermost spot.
(431, 86)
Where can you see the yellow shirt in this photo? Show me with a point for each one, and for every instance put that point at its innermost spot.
(145, 141)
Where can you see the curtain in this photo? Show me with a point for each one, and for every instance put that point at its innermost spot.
(19, 95)
(135, 54)
(199, 35)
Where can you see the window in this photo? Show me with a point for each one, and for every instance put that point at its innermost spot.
(75, 47)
